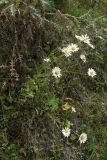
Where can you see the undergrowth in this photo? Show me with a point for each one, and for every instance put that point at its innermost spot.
(36, 105)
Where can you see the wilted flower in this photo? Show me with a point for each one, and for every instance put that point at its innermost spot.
(66, 51)
(56, 71)
(66, 106)
(46, 59)
(83, 138)
(83, 57)
(91, 72)
(66, 132)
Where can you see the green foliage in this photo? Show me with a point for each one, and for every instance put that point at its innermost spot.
(36, 7)
(34, 105)
(52, 102)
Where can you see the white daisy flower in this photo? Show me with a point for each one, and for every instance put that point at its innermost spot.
(91, 72)
(56, 71)
(83, 138)
(46, 59)
(86, 38)
(83, 58)
(74, 47)
(73, 109)
(66, 132)
(66, 51)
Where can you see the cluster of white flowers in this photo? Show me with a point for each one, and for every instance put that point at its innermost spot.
(71, 48)
(56, 72)
(85, 38)
(67, 131)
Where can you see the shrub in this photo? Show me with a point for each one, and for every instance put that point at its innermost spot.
(53, 82)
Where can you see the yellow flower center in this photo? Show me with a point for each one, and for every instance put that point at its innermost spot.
(92, 73)
(73, 48)
(66, 51)
(82, 137)
(57, 72)
(66, 130)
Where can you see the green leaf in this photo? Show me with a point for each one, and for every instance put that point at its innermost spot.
(53, 102)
